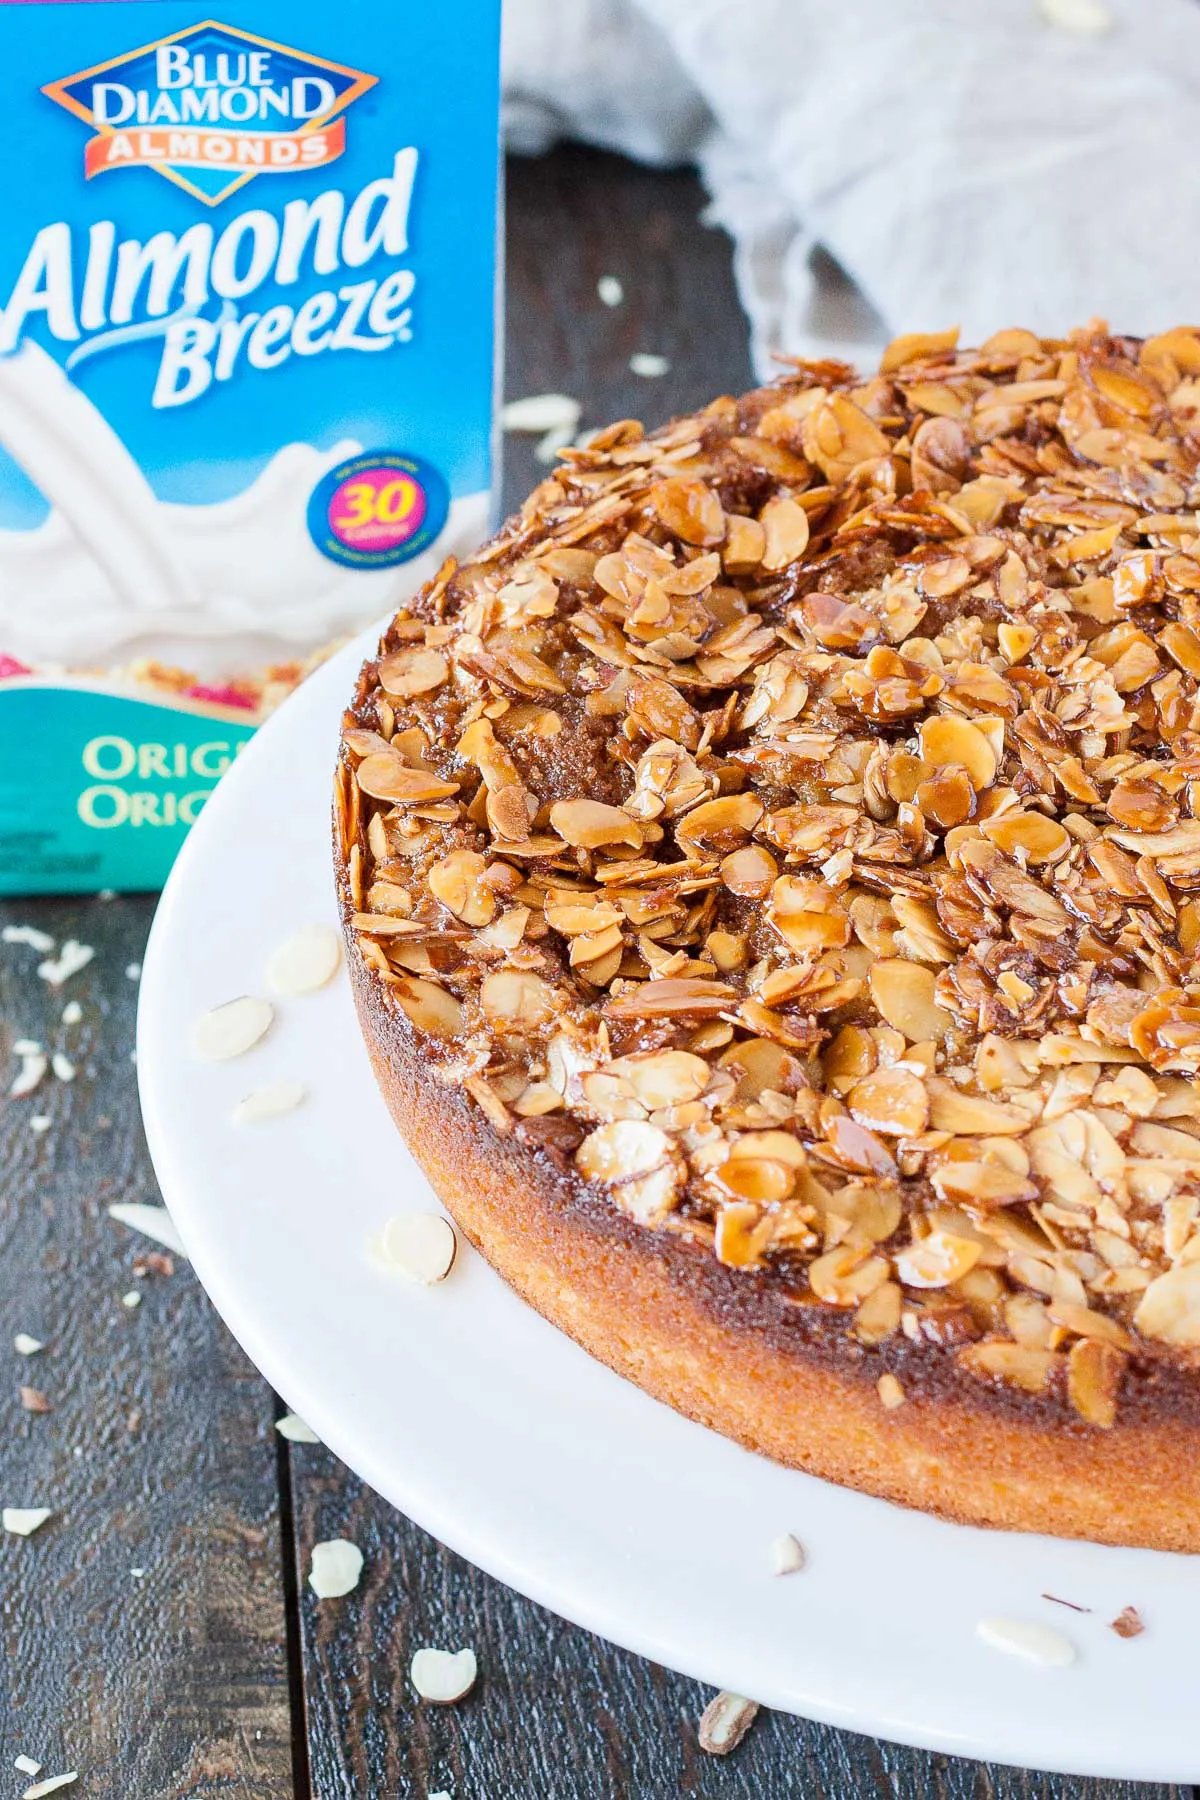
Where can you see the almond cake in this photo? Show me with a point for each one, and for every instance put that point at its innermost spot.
(771, 869)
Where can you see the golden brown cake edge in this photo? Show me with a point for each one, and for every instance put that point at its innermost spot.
(650, 1306)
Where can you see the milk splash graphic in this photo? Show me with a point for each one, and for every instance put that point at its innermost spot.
(218, 588)
(230, 434)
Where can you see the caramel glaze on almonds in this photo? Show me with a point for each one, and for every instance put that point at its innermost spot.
(792, 818)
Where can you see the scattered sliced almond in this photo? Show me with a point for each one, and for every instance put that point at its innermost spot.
(1128, 1623)
(649, 365)
(50, 1786)
(233, 1028)
(610, 290)
(421, 1246)
(63, 1067)
(336, 1567)
(292, 1427)
(33, 1400)
(1025, 1637)
(269, 1102)
(305, 961)
(787, 1554)
(24, 1345)
(72, 957)
(539, 413)
(152, 1221)
(724, 1723)
(29, 1076)
(25, 1765)
(1082, 18)
(23, 1521)
(41, 941)
(443, 1676)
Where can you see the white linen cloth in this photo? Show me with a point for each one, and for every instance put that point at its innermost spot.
(965, 164)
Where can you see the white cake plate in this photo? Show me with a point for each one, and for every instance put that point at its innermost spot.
(490, 1429)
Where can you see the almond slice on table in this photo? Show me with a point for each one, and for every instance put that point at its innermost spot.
(443, 1676)
(233, 1028)
(23, 1521)
(51, 1785)
(152, 1221)
(725, 1721)
(293, 1428)
(336, 1567)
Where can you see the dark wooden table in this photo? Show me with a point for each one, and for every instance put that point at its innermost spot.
(157, 1634)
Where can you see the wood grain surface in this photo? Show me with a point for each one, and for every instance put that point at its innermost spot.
(158, 1453)
(217, 1672)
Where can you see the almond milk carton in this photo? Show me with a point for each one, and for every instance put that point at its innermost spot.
(247, 348)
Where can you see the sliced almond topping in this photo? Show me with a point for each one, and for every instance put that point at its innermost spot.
(893, 1101)
(1017, 1363)
(664, 1077)
(412, 671)
(592, 825)
(835, 867)
(785, 531)
(936, 1260)
(846, 1276)
(637, 1162)
(904, 993)
(430, 1007)
(457, 881)
(386, 777)
(946, 740)
(515, 999)
(1169, 1310)
(1094, 1373)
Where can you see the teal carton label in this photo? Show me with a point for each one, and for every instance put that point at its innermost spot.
(114, 801)
(247, 347)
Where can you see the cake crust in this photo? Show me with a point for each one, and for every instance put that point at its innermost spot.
(771, 869)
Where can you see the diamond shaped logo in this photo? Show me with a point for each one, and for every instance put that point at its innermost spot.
(211, 107)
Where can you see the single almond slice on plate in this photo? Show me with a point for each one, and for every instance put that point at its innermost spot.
(305, 961)
(420, 1245)
(232, 1029)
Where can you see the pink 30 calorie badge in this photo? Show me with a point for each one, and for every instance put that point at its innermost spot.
(379, 508)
